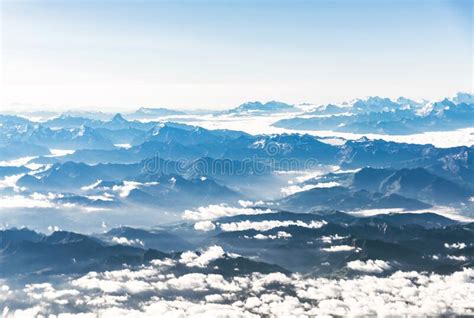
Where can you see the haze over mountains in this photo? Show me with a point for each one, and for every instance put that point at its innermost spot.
(161, 212)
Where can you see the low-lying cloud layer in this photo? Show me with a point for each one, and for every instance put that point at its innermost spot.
(267, 225)
(156, 291)
(215, 211)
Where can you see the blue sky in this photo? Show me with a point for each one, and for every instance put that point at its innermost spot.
(217, 54)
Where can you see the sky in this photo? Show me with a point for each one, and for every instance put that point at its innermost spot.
(121, 55)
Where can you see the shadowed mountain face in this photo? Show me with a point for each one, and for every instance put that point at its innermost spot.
(62, 252)
(15, 150)
(345, 199)
(155, 239)
(416, 183)
(370, 178)
(27, 253)
(303, 242)
(407, 241)
(282, 152)
(422, 184)
(71, 175)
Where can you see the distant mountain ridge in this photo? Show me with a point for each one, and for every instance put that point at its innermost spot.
(405, 241)
(384, 116)
(145, 112)
(256, 108)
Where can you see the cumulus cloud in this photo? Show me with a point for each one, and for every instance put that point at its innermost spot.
(125, 241)
(369, 266)
(17, 162)
(32, 201)
(91, 186)
(215, 211)
(10, 182)
(330, 238)
(299, 188)
(279, 235)
(124, 146)
(445, 211)
(458, 246)
(103, 197)
(305, 175)
(246, 203)
(460, 258)
(60, 152)
(151, 291)
(204, 226)
(193, 259)
(41, 201)
(125, 188)
(53, 228)
(267, 225)
(339, 248)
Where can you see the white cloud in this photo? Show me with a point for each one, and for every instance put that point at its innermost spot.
(60, 152)
(124, 146)
(219, 210)
(126, 187)
(204, 226)
(268, 225)
(305, 175)
(103, 197)
(91, 186)
(30, 202)
(151, 292)
(125, 241)
(329, 239)
(458, 246)
(193, 281)
(39, 201)
(445, 211)
(202, 282)
(37, 168)
(253, 302)
(245, 203)
(192, 259)
(297, 188)
(53, 228)
(283, 234)
(339, 248)
(260, 236)
(460, 258)
(164, 262)
(369, 266)
(10, 182)
(279, 235)
(16, 162)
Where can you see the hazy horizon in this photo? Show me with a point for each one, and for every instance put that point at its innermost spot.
(25, 108)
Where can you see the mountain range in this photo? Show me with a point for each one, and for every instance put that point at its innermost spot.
(383, 116)
(320, 243)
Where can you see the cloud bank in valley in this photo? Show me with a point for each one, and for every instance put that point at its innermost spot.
(156, 290)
